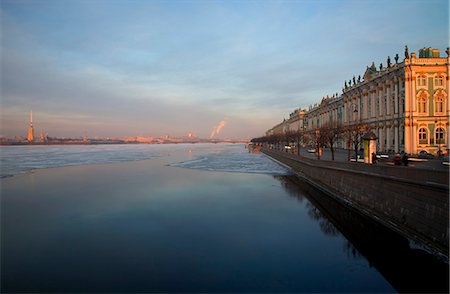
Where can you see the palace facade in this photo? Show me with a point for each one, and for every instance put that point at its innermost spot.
(404, 103)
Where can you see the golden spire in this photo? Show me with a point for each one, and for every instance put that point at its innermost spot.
(30, 136)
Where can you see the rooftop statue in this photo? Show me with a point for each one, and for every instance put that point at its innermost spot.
(396, 58)
(406, 52)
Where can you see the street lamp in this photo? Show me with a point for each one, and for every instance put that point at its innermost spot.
(438, 137)
(355, 110)
(298, 132)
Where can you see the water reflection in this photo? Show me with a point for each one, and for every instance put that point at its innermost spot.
(407, 269)
(144, 226)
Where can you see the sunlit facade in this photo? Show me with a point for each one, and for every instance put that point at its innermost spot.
(404, 103)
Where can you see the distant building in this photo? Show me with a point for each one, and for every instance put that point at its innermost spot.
(43, 137)
(278, 129)
(405, 104)
(30, 136)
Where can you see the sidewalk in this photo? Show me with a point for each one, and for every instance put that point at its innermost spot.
(342, 155)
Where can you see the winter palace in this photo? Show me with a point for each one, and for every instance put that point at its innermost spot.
(404, 103)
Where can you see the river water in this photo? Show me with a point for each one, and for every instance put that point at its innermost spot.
(188, 218)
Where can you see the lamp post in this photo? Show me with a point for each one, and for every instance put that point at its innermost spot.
(298, 134)
(355, 110)
(438, 137)
(358, 130)
(318, 148)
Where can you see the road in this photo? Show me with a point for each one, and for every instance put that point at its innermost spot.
(342, 155)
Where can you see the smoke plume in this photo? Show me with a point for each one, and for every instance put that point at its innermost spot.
(218, 128)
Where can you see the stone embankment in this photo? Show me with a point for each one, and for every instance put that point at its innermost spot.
(413, 202)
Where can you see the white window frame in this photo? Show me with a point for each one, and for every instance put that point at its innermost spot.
(426, 133)
(422, 81)
(422, 100)
(440, 99)
(440, 141)
(440, 78)
(437, 96)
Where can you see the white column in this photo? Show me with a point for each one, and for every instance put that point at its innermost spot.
(396, 97)
(381, 138)
(396, 139)
(388, 98)
(413, 139)
(380, 104)
(388, 138)
(374, 104)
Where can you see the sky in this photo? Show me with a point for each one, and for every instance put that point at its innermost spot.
(152, 68)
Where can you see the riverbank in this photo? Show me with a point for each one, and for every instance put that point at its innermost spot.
(413, 202)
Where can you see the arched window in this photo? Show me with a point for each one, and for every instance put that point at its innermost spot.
(423, 136)
(439, 81)
(439, 102)
(422, 104)
(439, 136)
(421, 81)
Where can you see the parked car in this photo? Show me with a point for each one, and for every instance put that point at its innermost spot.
(425, 155)
(312, 150)
(382, 156)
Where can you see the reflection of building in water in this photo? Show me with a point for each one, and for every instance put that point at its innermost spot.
(407, 269)
(30, 136)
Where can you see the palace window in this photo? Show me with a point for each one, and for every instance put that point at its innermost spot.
(439, 81)
(421, 81)
(439, 104)
(440, 136)
(423, 136)
(422, 104)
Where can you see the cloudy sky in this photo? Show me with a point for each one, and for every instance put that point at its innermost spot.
(150, 68)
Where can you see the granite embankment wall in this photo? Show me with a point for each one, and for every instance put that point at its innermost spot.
(411, 201)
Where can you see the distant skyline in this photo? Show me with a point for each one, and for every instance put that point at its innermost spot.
(150, 68)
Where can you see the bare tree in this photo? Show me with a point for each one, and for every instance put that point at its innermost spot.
(354, 133)
(329, 135)
(319, 140)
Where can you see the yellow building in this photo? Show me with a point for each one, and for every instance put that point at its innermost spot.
(427, 107)
(404, 103)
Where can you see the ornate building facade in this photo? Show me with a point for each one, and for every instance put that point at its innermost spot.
(404, 103)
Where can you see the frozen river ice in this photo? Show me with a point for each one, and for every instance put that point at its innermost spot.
(220, 157)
